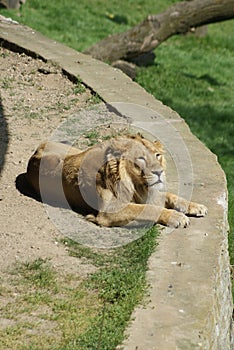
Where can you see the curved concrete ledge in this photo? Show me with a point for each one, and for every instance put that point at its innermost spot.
(190, 302)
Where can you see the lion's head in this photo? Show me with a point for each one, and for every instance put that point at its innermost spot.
(134, 168)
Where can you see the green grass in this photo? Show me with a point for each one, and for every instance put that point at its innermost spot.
(45, 309)
(82, 314)
(80, 24)
(120, 284)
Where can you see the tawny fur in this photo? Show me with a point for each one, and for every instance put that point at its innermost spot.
(116, 182)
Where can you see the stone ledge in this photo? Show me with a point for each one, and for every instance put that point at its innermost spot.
(190, 302)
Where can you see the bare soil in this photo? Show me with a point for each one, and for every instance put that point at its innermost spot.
(35, 98)
(38, 102)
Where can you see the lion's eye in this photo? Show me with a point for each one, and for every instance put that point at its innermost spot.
(158, 156)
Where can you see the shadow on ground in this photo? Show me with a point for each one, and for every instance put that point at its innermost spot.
(4, 137)
(24, 188)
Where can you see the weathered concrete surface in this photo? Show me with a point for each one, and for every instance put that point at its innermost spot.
(189, 304)
(190, 301)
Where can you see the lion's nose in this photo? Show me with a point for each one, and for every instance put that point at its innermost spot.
(158, 173)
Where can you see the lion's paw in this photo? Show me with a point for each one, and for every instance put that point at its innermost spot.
(173, 218)
(196, 209)
(178, 219)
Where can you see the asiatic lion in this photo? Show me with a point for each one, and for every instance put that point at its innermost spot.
(114, 183)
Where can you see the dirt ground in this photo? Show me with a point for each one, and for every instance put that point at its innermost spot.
(38, 102)
(35, 98)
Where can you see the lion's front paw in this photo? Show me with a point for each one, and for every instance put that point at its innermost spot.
(172, 218)
(186, 207)
(196, 209)
(178, 219)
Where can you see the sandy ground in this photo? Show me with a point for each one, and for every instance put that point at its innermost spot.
(35, 98)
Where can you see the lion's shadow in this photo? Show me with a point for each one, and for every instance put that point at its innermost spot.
(27, 190)
(24, 187)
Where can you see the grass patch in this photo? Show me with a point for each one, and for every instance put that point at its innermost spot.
(6, 83)
(37, 273)
(45, 309)
(49, 310)
(94, 99)
(120, 284)
(79, 24)
(79, 87)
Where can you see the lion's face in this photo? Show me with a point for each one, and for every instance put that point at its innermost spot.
(149, 171)
(147, 166)
(138, 163)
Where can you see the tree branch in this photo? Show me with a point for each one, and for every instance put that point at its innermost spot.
(149, 34)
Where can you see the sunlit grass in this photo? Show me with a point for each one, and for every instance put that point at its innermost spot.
(50, 310)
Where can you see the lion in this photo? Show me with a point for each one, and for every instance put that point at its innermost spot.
(114, 183)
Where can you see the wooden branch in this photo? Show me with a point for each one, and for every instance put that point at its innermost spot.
(155, 29)
(12, 4)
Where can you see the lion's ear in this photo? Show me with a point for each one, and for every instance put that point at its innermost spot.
(159, 146)
(140, 135)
